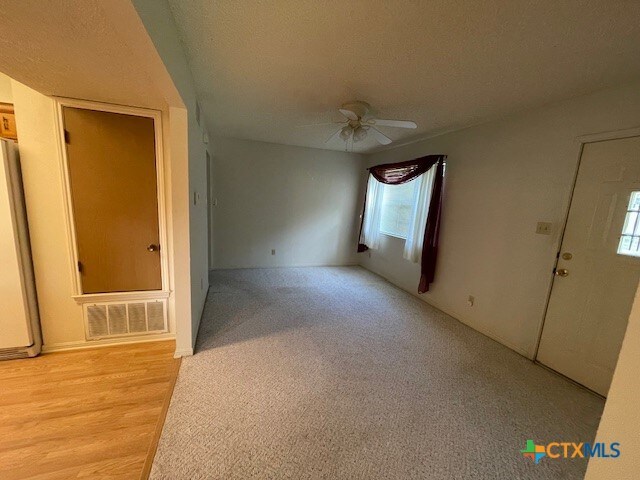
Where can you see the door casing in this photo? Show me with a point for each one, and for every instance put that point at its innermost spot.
(581, 141)
(156, 115)
(209, 160)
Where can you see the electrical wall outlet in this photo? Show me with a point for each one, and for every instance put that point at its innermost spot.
(544, 228)
(273, 251)
(471, 300)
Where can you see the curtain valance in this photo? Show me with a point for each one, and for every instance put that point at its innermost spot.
(403, 172)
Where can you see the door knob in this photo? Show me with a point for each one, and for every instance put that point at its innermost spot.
(153, 248)
(562, 272)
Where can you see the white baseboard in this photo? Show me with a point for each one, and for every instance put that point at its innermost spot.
(292, 265)
(61, 347)
(197, 329)
(478, 328)
(184, 352)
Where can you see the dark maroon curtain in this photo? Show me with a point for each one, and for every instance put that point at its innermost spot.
(403, 172)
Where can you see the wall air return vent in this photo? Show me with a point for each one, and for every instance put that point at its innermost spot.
(96, 316)
(137, 317)
(155, 315)
(120, 319)
(117, 319)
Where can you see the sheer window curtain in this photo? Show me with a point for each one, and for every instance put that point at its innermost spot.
(372, 214)
(418, 223)
(396, 174)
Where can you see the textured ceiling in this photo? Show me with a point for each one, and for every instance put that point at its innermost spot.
(264, 67)
(92, 49)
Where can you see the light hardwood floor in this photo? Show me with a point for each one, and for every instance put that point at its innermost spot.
(94, 414)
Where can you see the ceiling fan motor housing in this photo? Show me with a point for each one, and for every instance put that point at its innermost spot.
(357, 107)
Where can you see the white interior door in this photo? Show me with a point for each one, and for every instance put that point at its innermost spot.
(598, 267)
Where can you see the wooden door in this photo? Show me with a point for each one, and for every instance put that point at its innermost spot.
(598, 266)
(112, 171)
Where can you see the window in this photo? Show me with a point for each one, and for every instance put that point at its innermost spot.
(397, 208)
(630, 238)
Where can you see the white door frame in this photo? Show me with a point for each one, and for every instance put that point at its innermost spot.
(581, 141)
(156, 115)
(209, 159)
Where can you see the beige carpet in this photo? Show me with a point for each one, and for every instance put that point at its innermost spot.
(314, 373)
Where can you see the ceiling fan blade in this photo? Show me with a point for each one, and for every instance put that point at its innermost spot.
(319, 124)
(392, 123)
(379, 136)
(348, 113)
(335, 135)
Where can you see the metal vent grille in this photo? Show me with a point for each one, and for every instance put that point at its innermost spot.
(155, 315)
(97, 325)
(116, 319)
(137, 318)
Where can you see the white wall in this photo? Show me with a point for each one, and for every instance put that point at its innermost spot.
(188, 175)
(164, 66)
(502, 177)
(6, 96)
(60, 316)
(302, 202)
(118, 63)
(621, 418)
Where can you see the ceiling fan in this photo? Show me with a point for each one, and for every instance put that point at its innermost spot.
(356, 128)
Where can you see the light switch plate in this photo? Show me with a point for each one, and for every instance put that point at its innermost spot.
(544, 228)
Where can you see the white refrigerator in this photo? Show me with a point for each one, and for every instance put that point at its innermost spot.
(19, 321)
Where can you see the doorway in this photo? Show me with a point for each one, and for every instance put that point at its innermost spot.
(598, 266)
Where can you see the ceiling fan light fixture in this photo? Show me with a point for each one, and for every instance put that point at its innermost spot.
(345, 132)
(359, 134)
